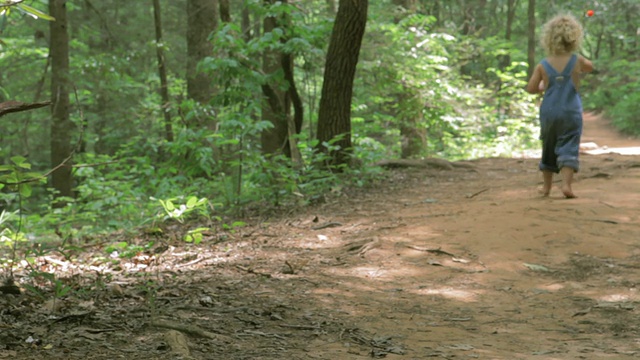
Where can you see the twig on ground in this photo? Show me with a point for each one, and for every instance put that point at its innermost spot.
(326, 225)
(477, 193)
(433, 251)
(300, 327)
(252, 271)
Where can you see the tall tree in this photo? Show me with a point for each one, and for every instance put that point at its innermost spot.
(277, 110)
(246, 23)
(505, 60)
(278, 106)
(61, 125)
(202, 19)
(225, 11)
(531, 37)
(334, 114)
(162, 70)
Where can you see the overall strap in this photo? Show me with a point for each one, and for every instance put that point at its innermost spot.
(551, 72)
(568, 69)
(570, 65)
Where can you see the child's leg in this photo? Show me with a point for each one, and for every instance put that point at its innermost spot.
(567, 179)
(547, 176)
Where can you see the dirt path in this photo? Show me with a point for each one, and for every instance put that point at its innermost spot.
(474, 264)
(467, 263)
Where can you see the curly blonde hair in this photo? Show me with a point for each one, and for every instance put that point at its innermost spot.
(562, 34)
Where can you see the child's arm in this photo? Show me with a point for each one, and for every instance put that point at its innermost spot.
(586, 66)
(536, 83)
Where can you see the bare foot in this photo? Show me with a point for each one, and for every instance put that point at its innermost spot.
(567, 179)
(568, 193)
(544, 191)
(547, 176)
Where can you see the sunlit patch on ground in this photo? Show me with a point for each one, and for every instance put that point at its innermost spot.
(450, 293)
(622, 151)
(552, 287)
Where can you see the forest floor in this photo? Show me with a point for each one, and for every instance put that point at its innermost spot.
(467, 263)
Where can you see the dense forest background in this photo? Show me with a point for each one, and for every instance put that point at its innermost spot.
(168, 110)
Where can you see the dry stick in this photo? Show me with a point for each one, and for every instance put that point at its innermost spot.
(434, 251)
(607, 204)
(252, 271)
(193, 262)
(300, 327)
(477, 193)
(326, 225)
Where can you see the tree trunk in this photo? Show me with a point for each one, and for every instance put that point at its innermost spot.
(225, 11)
(277, 108)
(531, 38)
(202, 21)
(61, 125)
(505, 60)
(434, 9)
(334, 116)
(246, 23)
(162, 70)
(511, 14)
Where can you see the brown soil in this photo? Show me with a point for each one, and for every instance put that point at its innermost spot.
(468, 263)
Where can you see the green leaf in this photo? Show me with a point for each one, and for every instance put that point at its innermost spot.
(18, 160)
(25, 190)
(35, 12)
(191, 202)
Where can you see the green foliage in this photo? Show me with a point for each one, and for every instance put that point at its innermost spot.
(9, 236)
(456, 88)
(616, 89)
(179, 212)
(17, 178)
(5, 10)
(126, 250)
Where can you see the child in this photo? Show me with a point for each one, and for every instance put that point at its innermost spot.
(558, 77)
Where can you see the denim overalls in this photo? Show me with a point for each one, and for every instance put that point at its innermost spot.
(560, 120)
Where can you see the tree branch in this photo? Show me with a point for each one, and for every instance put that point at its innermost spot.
(12, 106)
